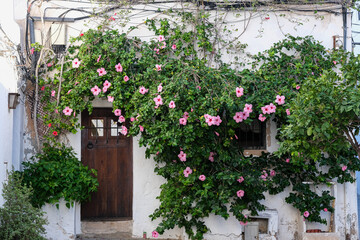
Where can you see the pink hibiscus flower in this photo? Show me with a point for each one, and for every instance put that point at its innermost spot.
(238, 117)
(172, 104)
(173, 47)
(217, 120)
(118, 67)
(272, 108)
(272, 173)
(53, 93)
(306, 214)
(76, 63)
(104, 89)
(155, 234)
(161, 38)
(95, 90)
(158, 67)
(186, 115)
(182, 121)
(240, 193)
(121, 119)
(159, 88)
(187, 171)
(297, 87)
(287, 160)
(98, 58)
(202, 178)
(117, 112)
(110, 98)
(123, 130)
(288, 112)
(126, 78)
(158, 100)
(67, 111)
(248, 108)
(239, 91)
(262, 118)
(344, 168)
(211, 156)
(182, 156)
(101, 72)
(143, 90)
(141, 128)
(280, 100)
(106, 84)
(241, 179)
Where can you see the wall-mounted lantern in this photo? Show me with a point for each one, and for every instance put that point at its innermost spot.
(13, 100)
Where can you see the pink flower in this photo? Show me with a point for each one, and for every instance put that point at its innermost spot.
(344, 168)
(280, 99)
(306, 214)
(106, 84)
(118, 67)
(117, 112)
(239, 91)
(141, 128)
(126, 78)
(95, 90)
(236, 136)
(163, 45)
(161, 38)
(288, 111)
(121, 119)
(69, 91)
(173, 47)
(104, 89)
(172, 104)
(248, 108)
(49, 64)
(43, 88)
(32, 51)
(325, 209)
(132, 119)
(202, 177)
(98, 58)
(272, 108)
(266, 109)
(198, 87)
(143, 90)
(217, 120)
(110, 98)
(243, 223)
(334, 62)
(238, 117)
(53, 93)
(158, 67)
(182, 156)
(76, 83)
(158, 100)
(155, 234)
(159, 88)
(187, 171)
(56, 111)
(240, 193)
(67, 111)
(211, 156)
(297, 87)
(241, 179)
(76, 63)
(272, 173)
(186, 115)
(101, 72)
(156, 50)
(261, 118)
(287, 160)
(123, 130)
(182, 121)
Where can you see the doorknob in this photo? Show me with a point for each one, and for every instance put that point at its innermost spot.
(90, 145)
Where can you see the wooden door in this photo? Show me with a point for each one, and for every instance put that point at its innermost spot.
(110, 153)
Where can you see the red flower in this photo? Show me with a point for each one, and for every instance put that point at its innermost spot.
(55, 133)
(49, 124)
(81, 34)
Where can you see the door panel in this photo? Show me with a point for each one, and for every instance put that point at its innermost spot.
(110, 153)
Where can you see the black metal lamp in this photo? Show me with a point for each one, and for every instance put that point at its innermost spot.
(13, 100)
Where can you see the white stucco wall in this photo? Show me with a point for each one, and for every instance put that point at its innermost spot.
(263, 30)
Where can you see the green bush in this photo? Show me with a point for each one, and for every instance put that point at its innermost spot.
(18, 218)
(57, 173)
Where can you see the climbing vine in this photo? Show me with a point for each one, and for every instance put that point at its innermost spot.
(187, 114)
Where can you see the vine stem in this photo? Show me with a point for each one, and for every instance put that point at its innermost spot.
(60, 80)
(37, 99)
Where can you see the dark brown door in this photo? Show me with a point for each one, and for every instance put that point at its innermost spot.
(110, 153)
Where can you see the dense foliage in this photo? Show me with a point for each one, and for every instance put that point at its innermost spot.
(187, 113)
(18, 218)
(57, 173)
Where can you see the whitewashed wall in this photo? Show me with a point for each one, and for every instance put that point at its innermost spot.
(264, 29)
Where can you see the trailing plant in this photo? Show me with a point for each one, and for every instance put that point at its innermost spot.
(57, 173)
(18, 218)
(187, 114)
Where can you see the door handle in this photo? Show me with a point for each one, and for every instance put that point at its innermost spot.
(90, 145)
